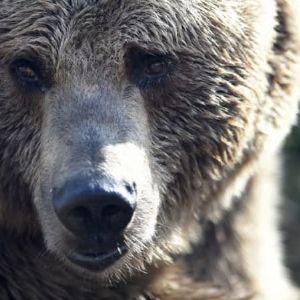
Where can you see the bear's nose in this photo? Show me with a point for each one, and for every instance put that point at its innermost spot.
(91, 207)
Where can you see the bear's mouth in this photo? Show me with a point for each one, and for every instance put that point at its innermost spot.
(98, 261)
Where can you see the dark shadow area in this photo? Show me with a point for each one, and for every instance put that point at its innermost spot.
(291, 206)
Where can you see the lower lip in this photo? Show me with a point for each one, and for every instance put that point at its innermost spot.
(98, 263)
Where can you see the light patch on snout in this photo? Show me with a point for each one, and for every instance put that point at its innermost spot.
(128, 161)
(125, 160)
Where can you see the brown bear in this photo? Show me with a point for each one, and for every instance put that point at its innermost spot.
(139, 146)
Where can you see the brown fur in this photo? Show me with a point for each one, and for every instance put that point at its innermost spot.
(201, 146)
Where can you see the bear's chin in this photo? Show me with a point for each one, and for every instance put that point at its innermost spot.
(105, 275)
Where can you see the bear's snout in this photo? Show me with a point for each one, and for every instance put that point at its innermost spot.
(95, 211)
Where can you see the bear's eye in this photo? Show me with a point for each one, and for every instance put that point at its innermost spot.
(148, 70)
(157, 67)
(26, 74)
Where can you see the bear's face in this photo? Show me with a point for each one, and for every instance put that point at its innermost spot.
(115, 114)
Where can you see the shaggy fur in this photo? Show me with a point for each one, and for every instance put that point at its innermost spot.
(201, 144)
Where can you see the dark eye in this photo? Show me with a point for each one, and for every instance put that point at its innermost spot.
(157, 67)
(27, 74)
(148, 70)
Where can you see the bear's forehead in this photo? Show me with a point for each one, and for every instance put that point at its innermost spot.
(52, 27)
(161, 23)
(113, 12)
(129, 18)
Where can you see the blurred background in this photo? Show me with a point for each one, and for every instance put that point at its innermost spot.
(291, 205)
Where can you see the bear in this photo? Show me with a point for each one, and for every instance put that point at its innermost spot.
(140, 148)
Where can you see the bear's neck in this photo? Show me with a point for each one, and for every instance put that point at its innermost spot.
(237, 252)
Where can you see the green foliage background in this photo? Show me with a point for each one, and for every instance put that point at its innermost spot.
(291, 205)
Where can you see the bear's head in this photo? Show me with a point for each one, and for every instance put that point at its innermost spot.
(122, 122)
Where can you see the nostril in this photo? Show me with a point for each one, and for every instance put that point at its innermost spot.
(81, 213)
(115, 218)
(78, 218)
(111, 212)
